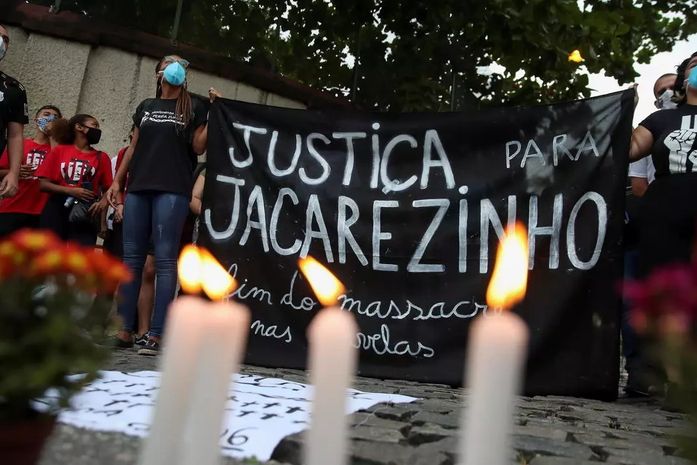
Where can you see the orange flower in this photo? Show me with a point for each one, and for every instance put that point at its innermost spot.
(77, 261)
(35, 240)
(11, 254)
(100, 261)
(64, 260)
(119, 272)
(38, 255)
(48, 263)
(111, 271)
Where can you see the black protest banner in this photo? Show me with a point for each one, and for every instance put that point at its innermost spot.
(406, 210)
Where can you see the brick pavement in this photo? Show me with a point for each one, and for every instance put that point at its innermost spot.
(549, 430)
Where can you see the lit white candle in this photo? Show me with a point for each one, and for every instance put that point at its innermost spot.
(225, 336)
(181, 344)
(203, 344)
(495, 358)
(332, 364)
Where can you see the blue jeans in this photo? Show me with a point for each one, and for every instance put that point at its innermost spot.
(159, 215)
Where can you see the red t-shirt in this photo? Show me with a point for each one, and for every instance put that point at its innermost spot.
(29, 198)
(67, 166)
(119, 158)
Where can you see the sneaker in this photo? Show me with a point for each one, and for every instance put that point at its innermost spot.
(141, 341)
(151, 347)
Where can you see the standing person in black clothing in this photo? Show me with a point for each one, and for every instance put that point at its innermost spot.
(641, 174)
(13, 117)
(669, 214)
(170, 131)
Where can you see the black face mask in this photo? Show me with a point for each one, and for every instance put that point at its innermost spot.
(93, 135)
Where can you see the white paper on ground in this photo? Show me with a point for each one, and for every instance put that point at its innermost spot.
(259, 413)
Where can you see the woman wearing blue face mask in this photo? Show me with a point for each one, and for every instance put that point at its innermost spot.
(667, 212)
(667, 231)
(157, 173)
(24, 209)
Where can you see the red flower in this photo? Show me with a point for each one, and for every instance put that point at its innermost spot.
(665, 301)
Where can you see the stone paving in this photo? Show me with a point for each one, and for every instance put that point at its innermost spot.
(548, 431)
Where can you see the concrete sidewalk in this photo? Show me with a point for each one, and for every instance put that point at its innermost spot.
(549, 430)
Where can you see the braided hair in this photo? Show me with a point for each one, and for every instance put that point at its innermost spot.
(679, 91)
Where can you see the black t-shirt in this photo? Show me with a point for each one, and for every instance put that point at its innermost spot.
(674, 148)
(164, 159)
(13, 106)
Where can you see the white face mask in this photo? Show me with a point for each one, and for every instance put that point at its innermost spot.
(664, 102)
(3, 49)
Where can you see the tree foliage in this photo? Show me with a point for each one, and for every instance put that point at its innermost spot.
(422, 54)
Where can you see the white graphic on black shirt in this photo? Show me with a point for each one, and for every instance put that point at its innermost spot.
(681, 148)
(159, 116)
(77, 171)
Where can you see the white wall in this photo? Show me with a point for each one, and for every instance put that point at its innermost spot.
(102, 81)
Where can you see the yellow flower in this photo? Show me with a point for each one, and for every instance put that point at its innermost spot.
(576, 57)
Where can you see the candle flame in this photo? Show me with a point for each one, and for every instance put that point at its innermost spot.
(510, 276)
(217, 282)
(198, 269)
(325, 285)
(576, 57)
(189, 269)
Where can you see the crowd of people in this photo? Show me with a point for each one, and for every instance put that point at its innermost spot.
(143, 201)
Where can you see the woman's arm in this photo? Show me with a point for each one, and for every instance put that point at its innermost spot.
(200, 142)
(641, 143)
(103, 225)
(639, 186)
(120, 177)
(197, 195)
(51, 187)
(15, 150)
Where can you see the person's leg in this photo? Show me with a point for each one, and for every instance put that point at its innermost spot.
(638, 381)
(136, 231)
(147, 295)
(668, 223)
(55, 216)
(116, 241)
(169, 213)
(13, 222)
(31, 221)
(84, 234)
